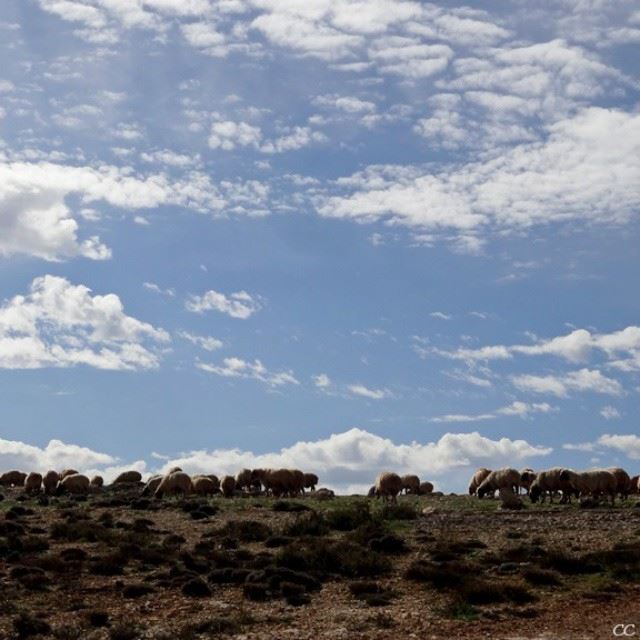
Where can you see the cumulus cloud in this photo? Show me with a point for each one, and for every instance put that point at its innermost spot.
(240, 305)
(627, 444)
(239, 368)
(58, 324)
(36, 219)
(350, 461)
(560, 385)
(366, 392)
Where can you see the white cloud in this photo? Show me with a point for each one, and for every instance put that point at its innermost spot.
(587, 169)
(228, 135)
(322, 381)
(609, 413)
(516, 408)
(366, 392)
(560, 385)
(292, 139)
(346, 104)
(207, 343)
(627, 444)
(238, 368)
(58, 324)
(152, 286)
(239, 305)
(351, 460)
(440, 315)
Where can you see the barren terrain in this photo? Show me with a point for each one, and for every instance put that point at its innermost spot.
(117, 567)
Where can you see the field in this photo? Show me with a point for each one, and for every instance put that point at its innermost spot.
(117, 567)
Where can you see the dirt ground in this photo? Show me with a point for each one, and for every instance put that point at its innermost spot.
(117, 567)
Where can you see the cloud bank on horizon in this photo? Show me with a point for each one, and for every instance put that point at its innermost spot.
(231, 226)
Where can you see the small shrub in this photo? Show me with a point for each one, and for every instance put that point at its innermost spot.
(196, 588)
(309, 524)
(26, 625)
(349, 517)
(247, 530)
(402, 511)
(541, 577)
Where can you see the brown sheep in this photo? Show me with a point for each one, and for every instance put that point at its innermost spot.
(388, 486)
(426, 488)
(623, 480)
(152, 484)
(296, 486)
(477, 479)
(372, 492)
(67, 472)
(13, 479)
(243, 480)
(551, 482)
(634, 485)
(216, 481)
(596, 483)
(50, 482)
(310, 481)
(411, 484)
(33, 483)
(204, 486)
(97, 482)
(228, 486)
(500, 479)
(176, 483)
(128, 477)
(75, 483)
(258, 477)
(278, 482)
(527, 476)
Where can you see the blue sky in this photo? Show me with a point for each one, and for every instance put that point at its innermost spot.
(340, 235)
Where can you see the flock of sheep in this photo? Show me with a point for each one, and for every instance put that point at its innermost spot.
(566, 483)
(275, 482)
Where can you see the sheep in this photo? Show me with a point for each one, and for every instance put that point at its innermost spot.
(152, 484)
(67, 472)
(634, 485)
(477, 479)
(598, 482)
(500, 479)
(75, 483)
(216, 482)
(97, 482)
(228, 486)
(426, 488)
(310, 481)
(174, 470)
(324, 494)
(243, 480)
(550, 482)
(278, 482)
(174, 483)
(410, 484)
(388, 486)
(204, 486)
(128, 477)
(32, 483)
(527, 476)
(50, 482)
(13, 479)
(623, 480)
(296, 486)
(372, 492)
(258, 477)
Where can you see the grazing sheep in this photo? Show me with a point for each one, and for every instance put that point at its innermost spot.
(596, 483)
(228, 486)
(550, 482)
(97, 482)
(634, 485)
(204, 486)
(75, 483)
(152, 484)
(310, 481)
(13, 479)
(33, 482)
(243, 480)
(477, 479)
(67, 472)
(173, 484)
(388, 486)
(500, 479)
(426, 488)
(258, 478)
(623, 480)
(296, 487)
(411, 484)
(278, 482)
(324, 494)
(128, 477)
(527, 476)
(372, 492)
(216, 481)
(50, 482)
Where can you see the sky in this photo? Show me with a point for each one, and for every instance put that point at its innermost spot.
(343, 235)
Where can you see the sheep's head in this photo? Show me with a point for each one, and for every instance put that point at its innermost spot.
(535, 493)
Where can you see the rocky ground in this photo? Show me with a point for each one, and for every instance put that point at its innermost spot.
(117, 567)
